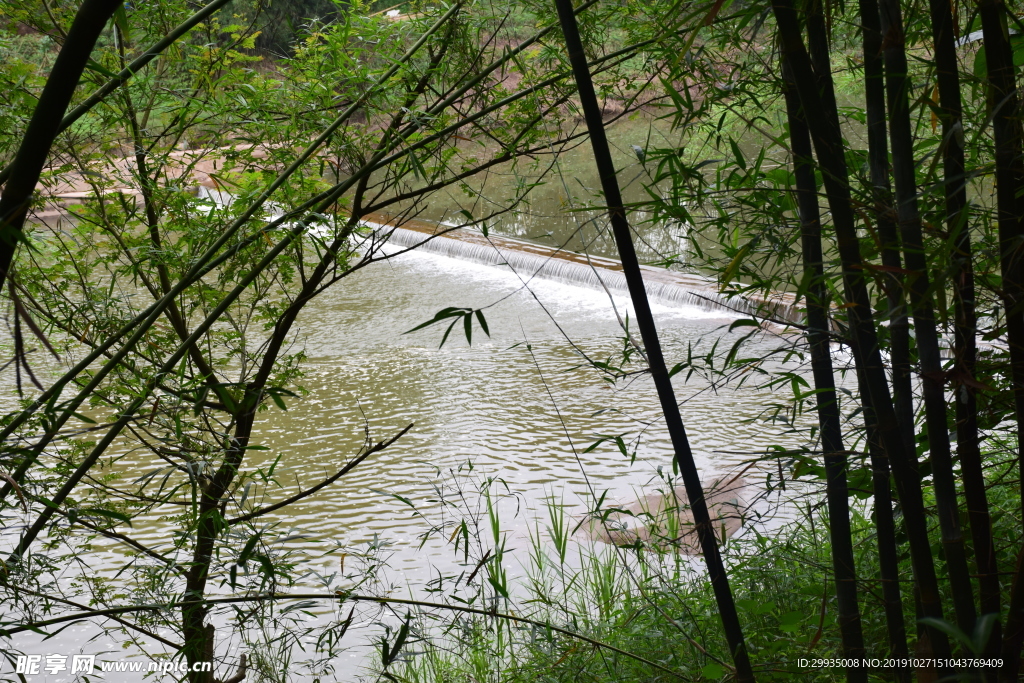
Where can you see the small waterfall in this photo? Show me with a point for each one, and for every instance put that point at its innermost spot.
(531, 261)
(534, 261)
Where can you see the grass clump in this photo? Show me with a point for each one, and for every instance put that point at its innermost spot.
(650, 601)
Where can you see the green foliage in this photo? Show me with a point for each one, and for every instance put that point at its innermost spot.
(281, 23)
(655, 602)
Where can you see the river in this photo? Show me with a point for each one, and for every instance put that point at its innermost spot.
(519, 406)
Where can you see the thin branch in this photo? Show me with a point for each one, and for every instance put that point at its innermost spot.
(380, 446)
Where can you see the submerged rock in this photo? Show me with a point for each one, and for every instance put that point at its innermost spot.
(664, 518)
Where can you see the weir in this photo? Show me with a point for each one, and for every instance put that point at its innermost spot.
(529, 260)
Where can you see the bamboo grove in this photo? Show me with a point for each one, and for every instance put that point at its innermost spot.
(866, 159)
(900, 230)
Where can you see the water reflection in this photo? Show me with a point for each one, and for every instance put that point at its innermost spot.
(571, 182)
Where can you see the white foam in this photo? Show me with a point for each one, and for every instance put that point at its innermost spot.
(554, 294)
(668, 298)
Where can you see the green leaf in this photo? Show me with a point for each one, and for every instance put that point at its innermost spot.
(444, 338)
(744, 322)
(780, 176)
(225, 396)
(121, 19)
(713, 670)
(738, 154)
(245, 494)
(707, 163)
(93, 65)
(790, 621)
(396, 496)
(734, 265)
(483, 323)
(247, 551)
(465, 314)
(981, 63)
(443, 314)
(498, 586)
(112, 514)
(951, 630)
(403, 633)
(266, 566)
(1017, 43)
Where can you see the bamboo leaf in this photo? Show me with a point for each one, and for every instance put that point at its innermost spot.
(713, 670)
(276, 398)
(744, 322)
(738, 154)
(247, 551)
(483, 322)
(951, 630)
(734, 265)
(112, 514)
(93, 65)
(121, 19)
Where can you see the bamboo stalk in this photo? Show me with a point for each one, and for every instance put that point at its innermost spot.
(827, 139)
(1006, 127)
(818, 325)
(885, 220)
(926, 331)
(648, 331)
(885, 527)
(899, 336)
(885, 538)
(950, 112)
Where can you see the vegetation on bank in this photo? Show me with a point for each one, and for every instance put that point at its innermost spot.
(651, 600)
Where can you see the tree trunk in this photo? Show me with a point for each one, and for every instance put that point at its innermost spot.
(1006, 127)
(645, 321)
(926, 331)
(35, 147)
(965, 319)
